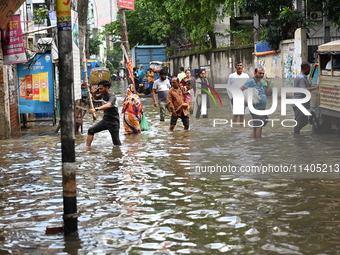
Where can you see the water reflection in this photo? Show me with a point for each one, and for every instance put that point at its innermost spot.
(142, 198)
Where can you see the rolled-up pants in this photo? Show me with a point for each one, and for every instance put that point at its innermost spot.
(102, 125)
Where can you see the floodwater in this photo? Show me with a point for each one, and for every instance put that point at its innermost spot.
(148, 197)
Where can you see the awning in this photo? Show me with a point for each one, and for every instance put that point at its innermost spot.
(332, 48)
(7, 9)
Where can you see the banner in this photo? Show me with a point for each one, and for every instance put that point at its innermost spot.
(7, 9)
(129, 66)
(105, 12)
(76, 56)
(12, 42)
(35, 80)
(126, 4)
(53, 17)
(64, 15)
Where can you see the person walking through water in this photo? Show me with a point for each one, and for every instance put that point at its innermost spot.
(178, 107)
(192, 82)
(200, 93)
(301, 81)
(161, 86)
(259, 121)
(237, 79)
(132, 112)
(110, 119)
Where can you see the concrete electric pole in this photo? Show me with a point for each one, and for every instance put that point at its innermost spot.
(66, 90)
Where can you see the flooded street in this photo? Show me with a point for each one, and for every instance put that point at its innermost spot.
(146, 197)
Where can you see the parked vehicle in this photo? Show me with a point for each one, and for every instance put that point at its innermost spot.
(325, 102)
(144, 54)
(90, 64)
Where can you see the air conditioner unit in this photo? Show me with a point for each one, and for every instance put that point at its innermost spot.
(315, 16)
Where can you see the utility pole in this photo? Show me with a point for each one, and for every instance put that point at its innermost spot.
(66, 91)
(125, 41)
(123, 30)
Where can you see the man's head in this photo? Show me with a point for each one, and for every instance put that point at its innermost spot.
(305, 67)
(104, 87)
(181, 69)
(175, 82)
(259, 73)
(163, 74)
(239, 67)
(141, 67)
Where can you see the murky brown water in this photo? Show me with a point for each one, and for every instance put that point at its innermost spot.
(142, 198)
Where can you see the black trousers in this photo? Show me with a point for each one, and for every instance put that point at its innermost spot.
(300, 118)
(104, 125)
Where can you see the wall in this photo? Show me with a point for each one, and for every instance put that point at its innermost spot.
(4, 106)
(13, 98)
(281, 66)
(9, 115)
(221, 62)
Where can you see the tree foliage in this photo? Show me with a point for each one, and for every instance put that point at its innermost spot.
(114, 56)
(283, 27)
(332, 11)
(176, 22)
(95, 43)
(265, 8)
(182, 23)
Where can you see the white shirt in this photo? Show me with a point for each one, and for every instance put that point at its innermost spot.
(237, 81)
(160, 85)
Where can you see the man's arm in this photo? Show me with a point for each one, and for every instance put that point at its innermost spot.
(171, 105)
(313, 88)
(155, 103)
(304, 83)
(268, 91)
(108, 105)
(101, 108)
(95, 93)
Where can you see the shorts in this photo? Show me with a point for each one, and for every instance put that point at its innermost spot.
(259, 120)
(185, 120)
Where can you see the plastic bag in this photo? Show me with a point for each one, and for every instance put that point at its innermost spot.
(144, 126)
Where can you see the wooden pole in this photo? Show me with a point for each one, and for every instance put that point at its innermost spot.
(66, 92)
(88, 86)
(125, 42)
(123, 30)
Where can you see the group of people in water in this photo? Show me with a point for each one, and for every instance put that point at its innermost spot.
(178, 95)
(174, 96)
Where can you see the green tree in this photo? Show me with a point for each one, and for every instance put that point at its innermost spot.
(40, 15)
(138, 24)
(283, 27)
(177, 22)
(332, 11)
(198, 18)
(95, 43)
(114, 56)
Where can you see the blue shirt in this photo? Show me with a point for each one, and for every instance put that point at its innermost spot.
(141, 74)
(261, 88)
